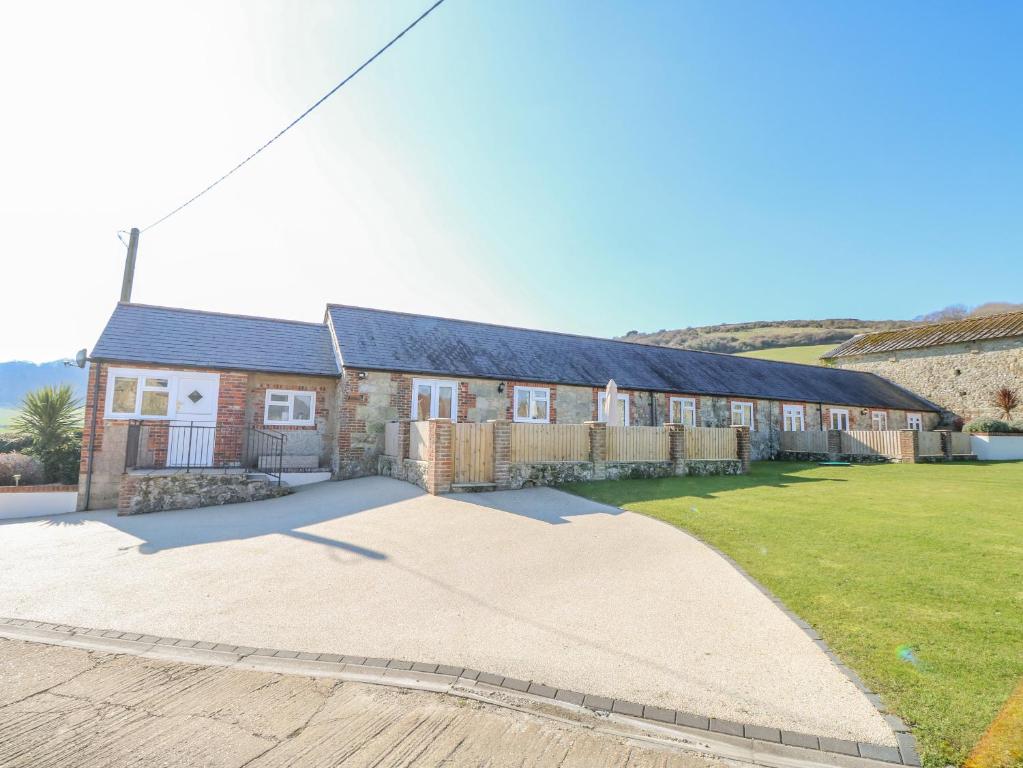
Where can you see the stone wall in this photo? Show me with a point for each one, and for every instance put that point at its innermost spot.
(144, 493)
(960, 378)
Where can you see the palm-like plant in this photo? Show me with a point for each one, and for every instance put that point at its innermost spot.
(1006, 401)
(50, 416)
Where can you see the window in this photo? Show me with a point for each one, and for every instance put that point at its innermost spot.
(532, 404)
(878, 420)
(623, 409)
(915, 421)
(742, 414)
(432, 399)
(143, 394)
(683, 411)
(792, 418)
(839, 419)
(290, 408)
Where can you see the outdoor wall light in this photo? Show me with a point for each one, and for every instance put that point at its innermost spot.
(500, 388)
(863, 412)
(362, 374)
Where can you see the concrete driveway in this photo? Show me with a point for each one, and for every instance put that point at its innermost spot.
(533, 584)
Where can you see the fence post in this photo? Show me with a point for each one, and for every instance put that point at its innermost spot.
(834, 443)
(598, 448)
(502, 452)
(743, 448)
(909, 446)
(404, 428)
(440, 457)
(677, 448)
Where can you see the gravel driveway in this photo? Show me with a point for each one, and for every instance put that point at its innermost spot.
(534, 584)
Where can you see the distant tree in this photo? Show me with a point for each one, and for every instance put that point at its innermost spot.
(50, 416)
(951, 312)
(1006, 401)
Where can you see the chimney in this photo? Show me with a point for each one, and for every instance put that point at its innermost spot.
(129, 265)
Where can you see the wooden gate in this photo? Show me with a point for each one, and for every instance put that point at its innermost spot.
(473, 453)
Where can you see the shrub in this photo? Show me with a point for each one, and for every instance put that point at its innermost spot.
(987, 425)
(1016, 426)
(29, 467)
(14, 441)
(50, 416)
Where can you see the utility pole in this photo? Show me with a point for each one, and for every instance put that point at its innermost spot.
(129, 265)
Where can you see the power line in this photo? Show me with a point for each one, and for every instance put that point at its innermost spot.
(298, 119)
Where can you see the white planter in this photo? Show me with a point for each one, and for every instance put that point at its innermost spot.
(992, 447)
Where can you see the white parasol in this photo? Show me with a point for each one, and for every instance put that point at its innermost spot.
(611, 403)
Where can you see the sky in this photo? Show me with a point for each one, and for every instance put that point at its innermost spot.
(592, 167)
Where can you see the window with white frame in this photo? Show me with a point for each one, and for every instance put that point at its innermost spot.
(915, 421)
(288, 408)
(138, 394)
(840, 419)
(742, 414)
(683, 411)
(792, 418)
(623, 409)
(434, 399)
(879, 420)
(532, 404)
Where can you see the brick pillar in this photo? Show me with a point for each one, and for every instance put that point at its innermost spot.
(502, 453)
(441, 466)
(598, 448)
(909, 446)
(834, 443)
(743, 447)
(403, 439)
(677, 448)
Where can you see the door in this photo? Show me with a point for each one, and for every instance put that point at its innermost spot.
(839, 419)
(192, 435)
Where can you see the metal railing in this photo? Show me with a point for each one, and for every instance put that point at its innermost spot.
(203, 445)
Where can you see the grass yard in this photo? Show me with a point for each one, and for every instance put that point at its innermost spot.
(809, 354)
(7, 416)
(913, 574)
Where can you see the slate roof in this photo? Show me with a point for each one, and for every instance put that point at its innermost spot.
(395, 341)
(146, 334)
(1001, 326)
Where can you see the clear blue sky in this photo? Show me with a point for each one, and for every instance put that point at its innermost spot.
(592, 167)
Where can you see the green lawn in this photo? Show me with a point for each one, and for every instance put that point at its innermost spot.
(809, 354)
(6, 416)
(913, 574)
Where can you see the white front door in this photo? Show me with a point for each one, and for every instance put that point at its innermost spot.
(192, 435)
(839, 419)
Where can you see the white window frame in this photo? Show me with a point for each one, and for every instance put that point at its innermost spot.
(685, 405)
(291, 394)
(623, 403)
(740, 410)
(435, 384)
(918, 418)
(832, 412)
(140, 375)
(875, 421)
(530, 394)
(790, 413)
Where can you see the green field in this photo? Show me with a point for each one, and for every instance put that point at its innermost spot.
(913, 574)
(6, 416)
(809, 355)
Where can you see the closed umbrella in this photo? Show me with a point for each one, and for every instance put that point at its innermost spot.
(611, 403)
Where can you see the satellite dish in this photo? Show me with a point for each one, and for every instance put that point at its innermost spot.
(80, 358)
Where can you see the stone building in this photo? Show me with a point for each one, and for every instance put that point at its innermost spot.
(173, 388)
(957, 365)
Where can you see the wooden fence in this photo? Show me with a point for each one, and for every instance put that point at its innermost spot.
(930, 444)
(865, 442)
(533, 443)
(710, 443)
(960, 443)
(391, 438)
(637, 444)
(418, 440)
(811, 441)
(473, 447)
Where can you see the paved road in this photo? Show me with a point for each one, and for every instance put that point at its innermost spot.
(80, 709)
(534, 584)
